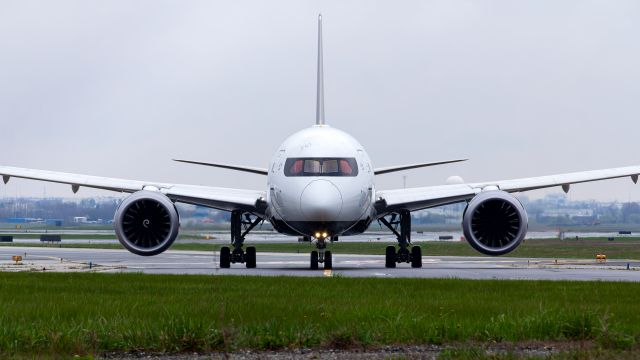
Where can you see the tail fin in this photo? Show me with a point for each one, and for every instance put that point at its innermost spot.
(320, 89)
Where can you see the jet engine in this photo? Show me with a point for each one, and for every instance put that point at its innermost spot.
(146, 223)
(494, 222)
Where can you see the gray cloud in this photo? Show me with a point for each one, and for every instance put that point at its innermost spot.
(119, 88)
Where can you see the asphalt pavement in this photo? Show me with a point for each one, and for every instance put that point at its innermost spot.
(293, 264)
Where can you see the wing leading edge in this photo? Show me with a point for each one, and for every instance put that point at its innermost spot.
(390, 169)
(218, 198)
(254, 170)
(425, 197)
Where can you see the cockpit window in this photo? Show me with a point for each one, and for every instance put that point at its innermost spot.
(346, 167)
(312, 166)
(321, 167)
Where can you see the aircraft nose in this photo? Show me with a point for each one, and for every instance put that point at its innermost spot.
(321, 200)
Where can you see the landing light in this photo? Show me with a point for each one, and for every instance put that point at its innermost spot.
(324, 234)
(317, 235)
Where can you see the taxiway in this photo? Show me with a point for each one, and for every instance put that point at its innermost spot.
(292, 264)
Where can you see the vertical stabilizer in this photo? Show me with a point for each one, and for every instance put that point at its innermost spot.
(320, 89)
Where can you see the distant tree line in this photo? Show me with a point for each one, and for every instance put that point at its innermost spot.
(105, 208)
(58, 209)
(93, 209)
(598, 213)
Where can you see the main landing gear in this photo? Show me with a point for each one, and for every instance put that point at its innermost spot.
(401, 219)
(240, 227)
(321, 255)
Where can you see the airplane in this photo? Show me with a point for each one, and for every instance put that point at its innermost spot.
(320, 186)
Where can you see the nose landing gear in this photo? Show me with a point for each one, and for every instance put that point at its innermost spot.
(248, 256)
(404, 254)
(321, 255)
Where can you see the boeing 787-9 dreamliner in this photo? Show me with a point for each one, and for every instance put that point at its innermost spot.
(320, 185)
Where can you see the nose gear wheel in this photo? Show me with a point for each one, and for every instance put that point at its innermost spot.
(321, 256)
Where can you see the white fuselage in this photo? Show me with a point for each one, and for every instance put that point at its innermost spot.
(320, 181)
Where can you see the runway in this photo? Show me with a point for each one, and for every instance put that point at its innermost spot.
(280, 264)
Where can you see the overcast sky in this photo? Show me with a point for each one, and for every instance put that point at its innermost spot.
(118, 88)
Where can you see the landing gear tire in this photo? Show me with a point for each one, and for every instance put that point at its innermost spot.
(416, 257)
(328, 260)
(314, 260)
(390, 258)
(250, 255)
(225, 257)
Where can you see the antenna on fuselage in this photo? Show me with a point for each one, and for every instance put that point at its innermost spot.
(320, 89)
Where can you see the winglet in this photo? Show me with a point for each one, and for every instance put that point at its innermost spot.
(320, 81)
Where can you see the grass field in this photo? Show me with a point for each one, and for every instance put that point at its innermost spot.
(621, 248)
(85, 314)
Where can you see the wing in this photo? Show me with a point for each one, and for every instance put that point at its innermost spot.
(425, 197)
(214, 197)
(390, 169)
(254, 170)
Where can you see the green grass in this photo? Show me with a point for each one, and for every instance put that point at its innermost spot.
(88, 314)
(621, 248)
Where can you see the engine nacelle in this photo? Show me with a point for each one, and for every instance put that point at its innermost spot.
(146, 223)
(494, 222)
